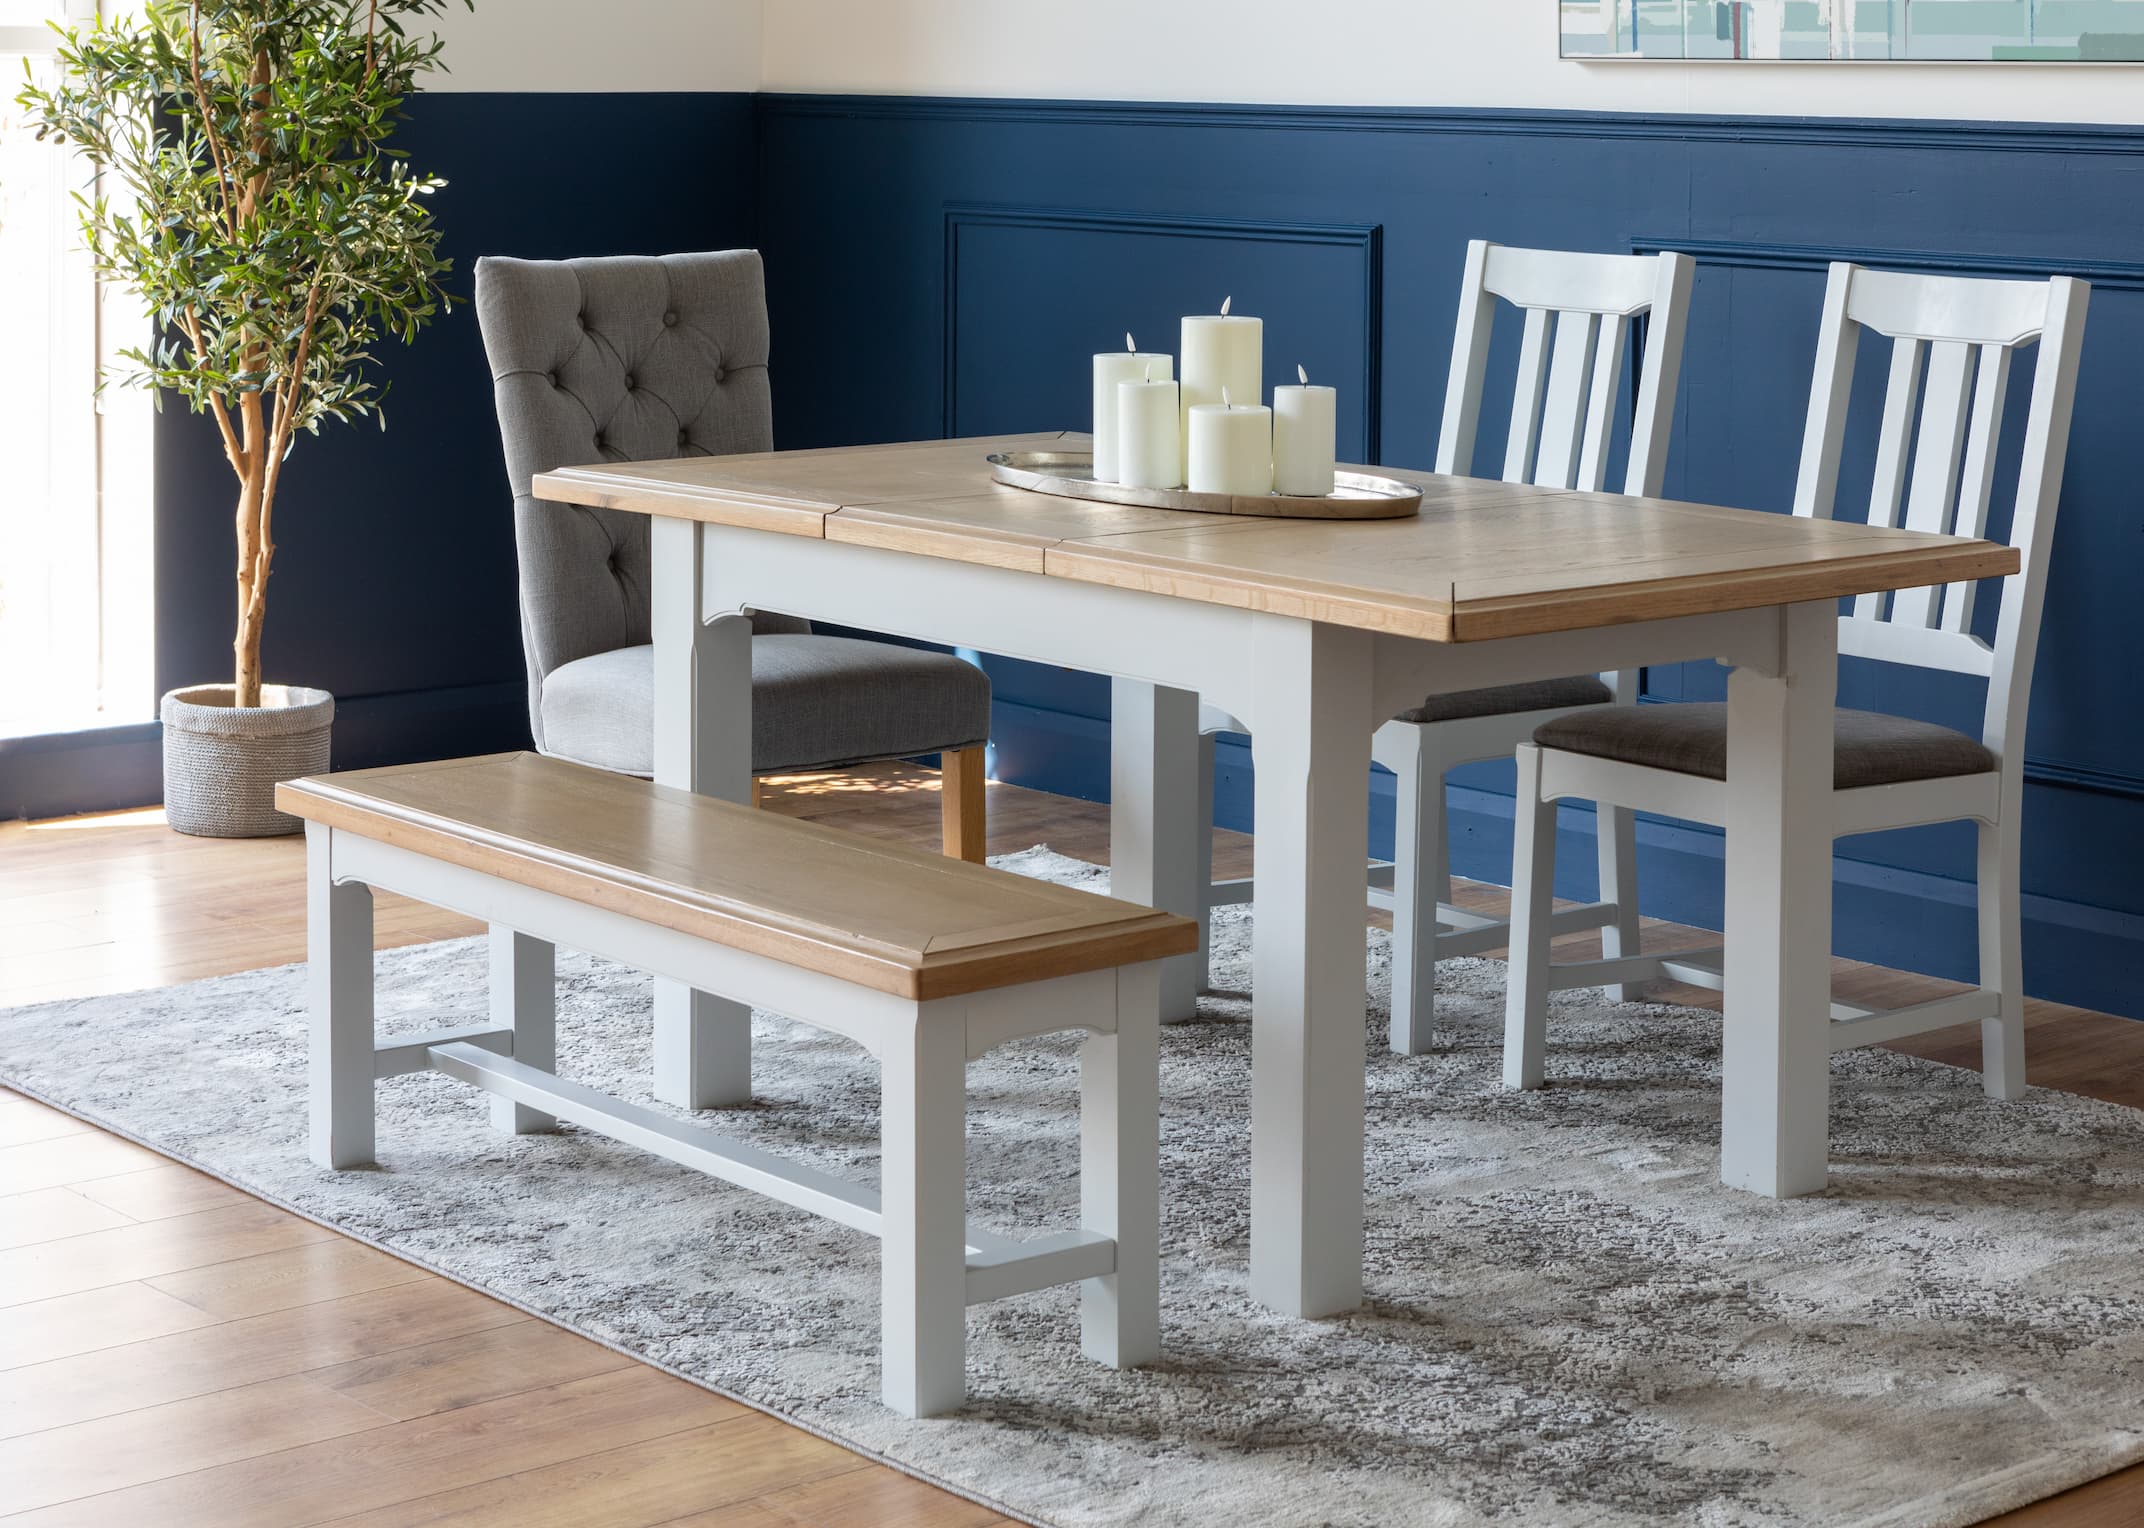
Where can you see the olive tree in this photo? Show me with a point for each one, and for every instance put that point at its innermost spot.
(246, 189)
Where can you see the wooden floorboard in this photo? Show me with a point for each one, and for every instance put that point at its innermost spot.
(174, 1352)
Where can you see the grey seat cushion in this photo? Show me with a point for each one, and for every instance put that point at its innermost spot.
(1868, 747)
(817, 702)
(1511, 699)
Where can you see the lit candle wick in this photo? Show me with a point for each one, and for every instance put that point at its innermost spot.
(1224, 399)
(1302, 376)
(1128, 345)
(1224, 305)
(1149, 372)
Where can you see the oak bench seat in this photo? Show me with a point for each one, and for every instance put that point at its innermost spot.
(923, 960)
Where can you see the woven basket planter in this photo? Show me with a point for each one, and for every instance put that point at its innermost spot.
(222, 762)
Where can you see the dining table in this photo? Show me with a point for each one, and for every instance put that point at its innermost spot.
(1313, 632)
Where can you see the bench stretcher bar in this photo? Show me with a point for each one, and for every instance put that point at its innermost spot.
(997, 1266)
(397, 1058)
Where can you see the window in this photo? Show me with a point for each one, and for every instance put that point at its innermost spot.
(76, 645)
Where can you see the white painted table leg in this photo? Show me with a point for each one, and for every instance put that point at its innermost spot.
(1153, 815)
(703, 743)
(1119, 1174)
(1419, 879)
(1311, 724)
(923, 1239)
(338, 949)
(524, 998)
(1775, 1038)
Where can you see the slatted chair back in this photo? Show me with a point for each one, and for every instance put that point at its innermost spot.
(1579, 308)
(1952, 342)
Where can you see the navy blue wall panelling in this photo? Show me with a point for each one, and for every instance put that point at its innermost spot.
(947, 264)
(394, 580)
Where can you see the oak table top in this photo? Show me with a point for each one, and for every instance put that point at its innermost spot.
(882, 915)
(1483, 560)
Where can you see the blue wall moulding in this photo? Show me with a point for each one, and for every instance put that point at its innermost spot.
(394, 582)
(968, 308)
(1032, 292)
(918, 285)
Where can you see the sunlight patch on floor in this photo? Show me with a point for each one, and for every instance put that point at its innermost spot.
(138, 817)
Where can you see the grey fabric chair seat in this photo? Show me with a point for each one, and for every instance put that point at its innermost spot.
(637, 358)
(817, 703)
(1690, 738)
(1511, 699)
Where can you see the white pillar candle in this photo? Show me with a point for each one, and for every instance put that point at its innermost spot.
(1149, 439)
(1112, 367)
(1220, 351)
(1231, 449)
(1303, 436)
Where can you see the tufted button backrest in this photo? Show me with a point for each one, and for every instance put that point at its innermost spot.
(622, 358)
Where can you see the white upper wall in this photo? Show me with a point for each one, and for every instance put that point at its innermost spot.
(1364, 53)
(1293, 52)
(615, 45)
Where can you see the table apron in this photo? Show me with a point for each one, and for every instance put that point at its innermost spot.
(1407, 668)
(1158, 638)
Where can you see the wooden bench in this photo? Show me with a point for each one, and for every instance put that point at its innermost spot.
(923, 960)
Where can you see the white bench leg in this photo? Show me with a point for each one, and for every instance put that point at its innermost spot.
(923, 1099)
(1420, 879)
(524, 998)
(1119, 1174)
(338, 947)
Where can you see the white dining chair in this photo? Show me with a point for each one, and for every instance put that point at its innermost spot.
(1578, 310)
(1953, 339)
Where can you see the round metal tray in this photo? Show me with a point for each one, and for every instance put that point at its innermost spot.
(1070, 475)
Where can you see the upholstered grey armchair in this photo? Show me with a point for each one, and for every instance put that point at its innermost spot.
(636, 358)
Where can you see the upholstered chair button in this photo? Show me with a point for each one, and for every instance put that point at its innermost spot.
(554, 379)
(669, 320)
(630, 384)
(683, 439)
(722, 375)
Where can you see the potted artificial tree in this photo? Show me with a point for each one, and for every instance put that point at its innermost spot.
(247, 193)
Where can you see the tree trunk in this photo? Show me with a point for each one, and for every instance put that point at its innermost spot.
(252, 600)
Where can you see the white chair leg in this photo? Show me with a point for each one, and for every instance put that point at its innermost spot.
(1420, 879)
(2002, 1038)
(1533, 889)
(524, 998)
(1617, 845)
(338, 947)
(1120, 1175)
(1205, 860)
(922, 1195)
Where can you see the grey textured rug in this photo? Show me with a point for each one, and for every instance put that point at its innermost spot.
(1569, 1321)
